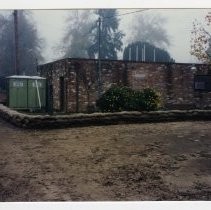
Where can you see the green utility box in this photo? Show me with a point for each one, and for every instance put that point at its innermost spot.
(26, 92)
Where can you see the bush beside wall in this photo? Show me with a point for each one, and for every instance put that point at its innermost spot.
(121, 98)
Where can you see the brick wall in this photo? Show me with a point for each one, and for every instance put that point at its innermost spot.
(175, 82)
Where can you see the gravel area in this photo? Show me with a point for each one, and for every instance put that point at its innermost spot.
(162, 161)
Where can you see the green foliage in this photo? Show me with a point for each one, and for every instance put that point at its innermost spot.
(114, 99)
(122, 98)
(111, 36)
(151, 99)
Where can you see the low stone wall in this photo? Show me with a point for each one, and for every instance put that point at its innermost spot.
(77, 120)
(3, 97)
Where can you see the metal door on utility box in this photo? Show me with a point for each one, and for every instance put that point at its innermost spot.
(36, 92)
(18, 93)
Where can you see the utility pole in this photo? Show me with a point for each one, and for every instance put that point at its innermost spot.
(16, 42)
(154, 55)
(130, 54)
(99, 59)
(137, 53)
(144, 50)
(37, 65)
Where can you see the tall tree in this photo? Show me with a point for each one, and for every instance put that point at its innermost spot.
(30, 44)
(77, 38)
(149, 28)
(201, 40)
(111, 37)
(143, 51)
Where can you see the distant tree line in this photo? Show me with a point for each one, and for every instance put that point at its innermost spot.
(81, 39)
(82, 35)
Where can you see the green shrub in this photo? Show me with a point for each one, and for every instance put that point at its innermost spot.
(114, 99)
(120, 98)
(151, 99)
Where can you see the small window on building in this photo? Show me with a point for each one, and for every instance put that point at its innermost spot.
(202, 82)
(199, 85)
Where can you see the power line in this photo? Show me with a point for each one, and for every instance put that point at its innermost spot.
(128, 13)
(109, 17)
(99, 21)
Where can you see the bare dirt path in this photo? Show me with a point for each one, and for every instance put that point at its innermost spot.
(162, 161)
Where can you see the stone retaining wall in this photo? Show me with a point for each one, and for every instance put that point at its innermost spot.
(78, 120)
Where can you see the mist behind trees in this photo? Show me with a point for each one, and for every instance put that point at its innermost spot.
(30, 45)
(80, 38)
(149, 28)
(77, 40)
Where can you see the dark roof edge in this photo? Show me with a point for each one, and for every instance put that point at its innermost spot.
(121, 61)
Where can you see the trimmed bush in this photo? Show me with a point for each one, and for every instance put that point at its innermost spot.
(114, 99)
(120, 98)
(151, 99)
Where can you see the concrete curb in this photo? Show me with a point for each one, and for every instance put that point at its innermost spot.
(78, 120)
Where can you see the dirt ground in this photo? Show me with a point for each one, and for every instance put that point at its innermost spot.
(162, 161)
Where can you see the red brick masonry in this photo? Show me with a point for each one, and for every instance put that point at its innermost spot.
(174, 81)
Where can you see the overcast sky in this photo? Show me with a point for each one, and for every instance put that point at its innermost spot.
(51, 27)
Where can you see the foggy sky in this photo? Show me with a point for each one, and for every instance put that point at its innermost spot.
(51, 27)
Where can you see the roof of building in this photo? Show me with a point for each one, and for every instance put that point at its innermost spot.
(120, 61)
(25, 77)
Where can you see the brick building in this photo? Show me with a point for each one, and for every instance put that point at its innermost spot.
(75, 86)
